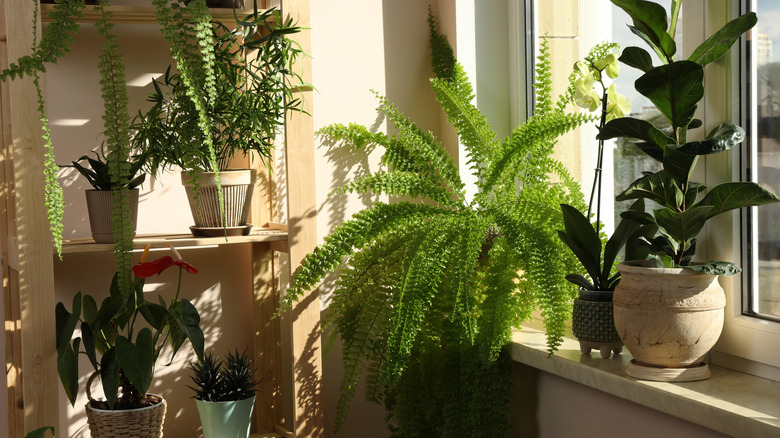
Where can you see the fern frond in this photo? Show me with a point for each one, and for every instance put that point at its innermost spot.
(400, 184)
(357, 135)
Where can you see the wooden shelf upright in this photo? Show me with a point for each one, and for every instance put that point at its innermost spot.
(28, 267)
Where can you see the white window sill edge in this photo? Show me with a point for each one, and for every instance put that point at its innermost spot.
(730, 402)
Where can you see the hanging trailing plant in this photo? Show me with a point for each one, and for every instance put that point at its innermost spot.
(54, 43)
(116, 121)
(183, 22)
(428, 293)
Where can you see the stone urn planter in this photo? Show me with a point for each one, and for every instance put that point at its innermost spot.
(668, 319)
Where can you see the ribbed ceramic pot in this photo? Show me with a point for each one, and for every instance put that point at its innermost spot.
(99, 208)
(237, 188)
(667, 318)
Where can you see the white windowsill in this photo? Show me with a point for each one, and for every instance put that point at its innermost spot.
(730, 402)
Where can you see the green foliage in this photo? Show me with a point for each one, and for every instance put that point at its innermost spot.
(54, 43)
(245, 107)
(217, 381)
(97, 173)
(428, 292)
(675, 88)
(122, 356)
(41, 433)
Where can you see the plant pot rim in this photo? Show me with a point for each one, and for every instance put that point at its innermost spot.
(645, 266)
(227, 401)
(99, 190)
(119, 411)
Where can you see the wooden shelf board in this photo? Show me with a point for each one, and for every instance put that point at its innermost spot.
(143, 14)
(70, 246)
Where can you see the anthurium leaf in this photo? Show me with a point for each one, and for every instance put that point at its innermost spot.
(582, 239)
(154, 314)
(188, 320)
(659, 187)
(137, 360)
(135, 182)
(580, 281)
(731, 195)
(639, 129)
(89, 343)
(68, 370)
(65, 322)
(675, 89)
(724, 137)
(636, 57)
(682, 226)
(719, 43)
(40, 433)
(716, 267)
(109, 375)
(90, 309)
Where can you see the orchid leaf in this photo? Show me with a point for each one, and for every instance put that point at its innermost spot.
(719, 43)
(580, 281)
(582, 239)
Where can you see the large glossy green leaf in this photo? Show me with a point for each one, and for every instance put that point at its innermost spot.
(582, 239)
(722, 138)
(659, 187)
(41, 433)
(90, 308)
(89, 343)
(679, 165)
(154, 314)
(65, 322)
(639, 129)
(186, 317)
(109, 376)
(137, 360)
(716, 267)
(68, 370)
(719, 43)
(636, 57)
(675, 89)
(682, 226)
(580, 281)
(649, 18)
(731, 195)
(109, 308)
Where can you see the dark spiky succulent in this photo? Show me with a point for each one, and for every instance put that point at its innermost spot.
(238, 377)
(208, 379)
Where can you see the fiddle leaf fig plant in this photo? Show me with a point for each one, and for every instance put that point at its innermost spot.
(676, 87)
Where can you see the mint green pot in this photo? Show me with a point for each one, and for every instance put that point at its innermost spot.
(230, 419)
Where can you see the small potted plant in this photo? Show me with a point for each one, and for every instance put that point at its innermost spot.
(99, 198)
(225, 394)
(122, 353)
(243, 114)
(669, 312)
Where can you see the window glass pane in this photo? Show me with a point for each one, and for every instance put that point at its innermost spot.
(629, 161)
(763, 156)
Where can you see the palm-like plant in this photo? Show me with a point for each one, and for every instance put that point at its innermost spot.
(429, 291)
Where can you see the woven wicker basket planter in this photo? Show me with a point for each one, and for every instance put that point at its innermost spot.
(137, 423)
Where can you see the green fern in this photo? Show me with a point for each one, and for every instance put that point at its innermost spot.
(428, 292)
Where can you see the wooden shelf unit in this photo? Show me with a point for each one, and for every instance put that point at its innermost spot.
(143, 14)
(28, 271)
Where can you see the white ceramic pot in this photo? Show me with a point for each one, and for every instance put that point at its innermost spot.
(667, 318)
(228, 419)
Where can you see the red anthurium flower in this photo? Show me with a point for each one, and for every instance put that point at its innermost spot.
(147, 269)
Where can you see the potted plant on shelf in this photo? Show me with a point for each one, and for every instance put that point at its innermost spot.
(99, 198)
(670, 314)
(122, 353)
(592, 315)
(243, 114)
(428, 292)
(225, 394)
